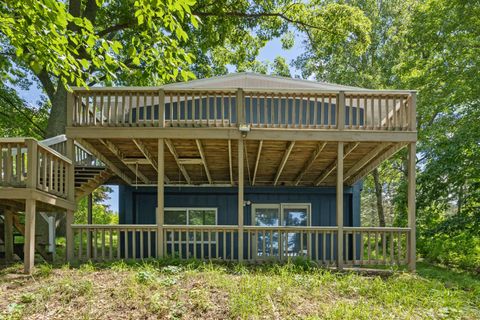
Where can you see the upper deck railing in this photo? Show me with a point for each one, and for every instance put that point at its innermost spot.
(263, 108)
(24, 162)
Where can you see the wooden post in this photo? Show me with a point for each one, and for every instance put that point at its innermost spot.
(341, 110)
(240, 107)
(413, 112)
(8, 227)
(240, 201)
(32, 163)
(412, 150)
(340, 205)
(70, 148)
(160, 196)
(161, 108)
(29, 244)
(69, 235)
(90, 222)
(411, 206)
(70, 107)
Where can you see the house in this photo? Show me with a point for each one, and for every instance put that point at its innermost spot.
(242, 167)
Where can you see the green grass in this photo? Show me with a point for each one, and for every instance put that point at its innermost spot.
(173, 289)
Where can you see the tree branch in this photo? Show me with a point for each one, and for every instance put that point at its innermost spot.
(130, 23)
(26, 116)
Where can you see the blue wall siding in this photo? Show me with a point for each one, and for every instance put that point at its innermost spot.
(254, 108)
(137, 205)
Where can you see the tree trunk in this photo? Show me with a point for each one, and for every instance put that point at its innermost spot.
(58, 114)
(378, 194)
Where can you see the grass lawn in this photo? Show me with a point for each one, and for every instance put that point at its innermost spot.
(170, 289)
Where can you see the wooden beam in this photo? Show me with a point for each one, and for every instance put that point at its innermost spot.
(174, 153)
(160, 197)
(204, 160)
(240, 201)
(362, 162)
(332, 166)
(144, 150)
(29, 245)
(411, 206)
(339, 204)
(259, 152)
(69, 235)
(310, 162)
(284, 161)
(8, 231)
(246, 162)
(119, 154)
(276, 134)
(230, 164)
(375, 163)
(107, 162)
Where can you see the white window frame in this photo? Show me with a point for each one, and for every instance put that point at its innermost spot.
(187, 209)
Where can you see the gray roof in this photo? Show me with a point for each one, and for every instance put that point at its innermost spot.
(250, 80)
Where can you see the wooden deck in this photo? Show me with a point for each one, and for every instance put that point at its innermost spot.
(290, 137)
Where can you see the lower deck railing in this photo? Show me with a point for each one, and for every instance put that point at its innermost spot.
(362, 246)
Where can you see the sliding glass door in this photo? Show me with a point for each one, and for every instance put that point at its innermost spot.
(273, 244)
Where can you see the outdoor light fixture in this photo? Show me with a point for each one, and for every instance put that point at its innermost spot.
(244, 129)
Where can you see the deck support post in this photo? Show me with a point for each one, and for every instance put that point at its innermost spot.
(8, 227)
(69, 216)
(90, 222)
(70, 194)
(240, 200)
(411, 169)
(340, 205)
(160, 196)
(411, 206)
(29, 244)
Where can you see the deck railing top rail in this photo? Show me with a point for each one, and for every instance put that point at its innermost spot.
(226, 107)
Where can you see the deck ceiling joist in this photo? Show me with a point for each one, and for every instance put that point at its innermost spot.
(267, 162)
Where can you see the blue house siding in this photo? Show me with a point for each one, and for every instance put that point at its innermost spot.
(256, 110)
(138, 205)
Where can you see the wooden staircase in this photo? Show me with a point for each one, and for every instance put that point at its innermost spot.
(90, 173)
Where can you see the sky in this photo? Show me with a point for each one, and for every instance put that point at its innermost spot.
(269, 52)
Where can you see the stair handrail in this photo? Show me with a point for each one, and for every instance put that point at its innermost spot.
(60, 140)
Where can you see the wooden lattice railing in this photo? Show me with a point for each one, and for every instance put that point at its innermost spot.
(301, 109)
(362, 246)
(26, 163)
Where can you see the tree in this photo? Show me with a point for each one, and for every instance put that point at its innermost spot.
(19, 120)
(373, 68)
(101, 212)
(442, 60)
(146, 42)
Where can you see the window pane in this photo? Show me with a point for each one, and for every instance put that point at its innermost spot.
(267, 217)
(175, 217)
(295, 217)
(201, 217)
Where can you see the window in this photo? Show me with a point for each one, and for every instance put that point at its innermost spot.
(192, 217)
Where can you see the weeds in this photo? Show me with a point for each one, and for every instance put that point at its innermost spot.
(192, 289)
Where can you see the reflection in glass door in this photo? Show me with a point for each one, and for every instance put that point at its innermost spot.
(267, 242)
(295, 216)
(271, 243)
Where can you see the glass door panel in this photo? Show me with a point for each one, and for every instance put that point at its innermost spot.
(267, 242)
(295, 216)
(285, 244)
